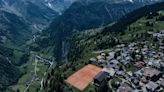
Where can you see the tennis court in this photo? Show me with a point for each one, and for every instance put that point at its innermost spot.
(83, 77)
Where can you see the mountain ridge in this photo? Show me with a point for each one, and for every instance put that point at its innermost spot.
(82, 16)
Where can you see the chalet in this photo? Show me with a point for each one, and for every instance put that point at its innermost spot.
(152, 73)
(155, 35)
(124, 87)
(162, 32)
(119, 58)
(144, 80)
(99, 57)
(162, 67)
(110, 71)
(161, 54)
(122, 45)
(115, 67)
(93, 59)
(120, 73)
(102, 62)
(126, 63)
(162, 82)
(139, 64)
(145, 51)
(135, 81)
(115, 62)
(152, 86)
(108, 58)
(111, 54)
(161, 48)
(155, 64)
(103, 54)
(130, 74)
(160, 36)
(149, 32)
(124, 55)
(98, 79)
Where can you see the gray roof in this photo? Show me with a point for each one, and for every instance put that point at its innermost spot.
(101, 76)
(152, 85)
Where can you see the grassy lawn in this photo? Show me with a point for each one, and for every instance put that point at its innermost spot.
(140, 27)
(132, 68)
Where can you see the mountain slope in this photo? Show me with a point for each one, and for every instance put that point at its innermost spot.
(85, 15)
(14, 32)
(13, 29)
(19, 20)
(37, 15)
(131, 27)
(8, 72)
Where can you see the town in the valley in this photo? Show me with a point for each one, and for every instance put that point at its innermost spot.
(133, 67)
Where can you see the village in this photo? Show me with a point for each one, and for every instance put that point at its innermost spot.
(133, 67)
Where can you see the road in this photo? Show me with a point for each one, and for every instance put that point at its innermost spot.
(49, 68)
(42, 60)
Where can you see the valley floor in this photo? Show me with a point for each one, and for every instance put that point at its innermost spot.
(35, 71)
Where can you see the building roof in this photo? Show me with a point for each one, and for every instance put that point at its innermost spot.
(109, 58)
(147, 71)
(162, 82)
(152, 85)
(111, 54)
(114, 61)
(101, 76)
(93, 59)
(139, 64)
(144, 80)
(110, 71)
(124, 87)
(100, 57)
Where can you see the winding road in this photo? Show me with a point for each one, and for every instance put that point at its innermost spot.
(42, 60)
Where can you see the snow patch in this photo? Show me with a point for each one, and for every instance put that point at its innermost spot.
(131, 1)
(50, 5)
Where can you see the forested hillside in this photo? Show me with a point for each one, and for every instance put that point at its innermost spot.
(116, 33)
(80, 16)
(133, 28)
(9, 74)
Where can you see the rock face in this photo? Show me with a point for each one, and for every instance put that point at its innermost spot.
(87, 14)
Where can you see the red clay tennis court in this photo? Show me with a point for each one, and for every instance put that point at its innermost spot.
(83, 77)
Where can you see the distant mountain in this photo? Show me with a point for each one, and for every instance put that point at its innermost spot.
(86, 14)
(13, 29)
(59, 5)
(38, 13)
